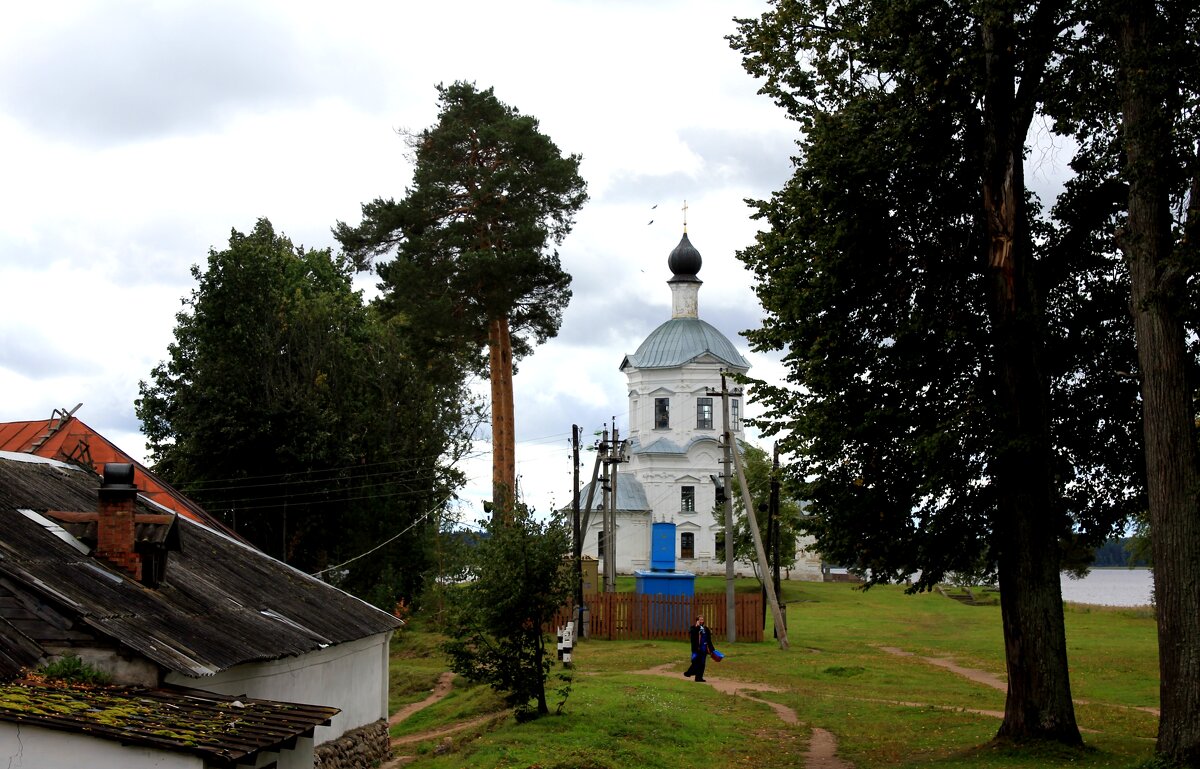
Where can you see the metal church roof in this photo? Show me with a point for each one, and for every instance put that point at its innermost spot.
(631, 495)
(667, 446)
(683, 340)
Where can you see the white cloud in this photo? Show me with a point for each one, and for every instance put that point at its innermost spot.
(134, 135)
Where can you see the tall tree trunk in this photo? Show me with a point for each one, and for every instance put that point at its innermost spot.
(504, 465)
(1039, 703)
(1159, 296)
(543, 708)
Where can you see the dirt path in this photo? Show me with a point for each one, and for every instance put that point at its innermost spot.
(978, 676)
(736, 688)
(446, 731)
(822, 750)
(439, 691)
(987, 679)
(822, 745)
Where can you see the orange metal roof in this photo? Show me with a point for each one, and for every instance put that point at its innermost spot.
(67, 439)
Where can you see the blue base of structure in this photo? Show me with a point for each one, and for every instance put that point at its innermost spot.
(667, 616)
(680, 583)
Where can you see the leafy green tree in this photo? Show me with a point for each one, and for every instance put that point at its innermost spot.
(906, 273)
(1129, 93)
(289, 408)
(472, 243)
(498, 626)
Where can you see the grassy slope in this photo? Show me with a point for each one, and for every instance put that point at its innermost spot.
(834, 676)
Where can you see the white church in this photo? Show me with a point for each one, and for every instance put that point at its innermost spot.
(673, 450)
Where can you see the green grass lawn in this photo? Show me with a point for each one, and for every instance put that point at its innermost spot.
(885, 710)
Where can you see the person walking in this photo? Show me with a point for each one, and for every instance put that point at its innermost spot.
(702, 646)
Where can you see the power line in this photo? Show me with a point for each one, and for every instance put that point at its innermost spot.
(251, 504)
(301, 481)
(387, 541)
(324, 470)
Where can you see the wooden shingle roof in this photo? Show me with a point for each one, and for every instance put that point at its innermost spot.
(221, 603)
(225, 731)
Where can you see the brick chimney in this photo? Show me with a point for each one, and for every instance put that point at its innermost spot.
(115, 534)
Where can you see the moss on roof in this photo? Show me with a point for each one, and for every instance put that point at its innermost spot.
(221, 728)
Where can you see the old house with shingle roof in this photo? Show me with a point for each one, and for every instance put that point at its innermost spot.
(67, 438)
(175, 609)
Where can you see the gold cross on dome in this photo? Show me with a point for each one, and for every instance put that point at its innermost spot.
(685, 216)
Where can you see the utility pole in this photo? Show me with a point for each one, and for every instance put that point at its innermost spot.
(730, 592)
(766, 508)
(752, 520)
(773, 528)
(577, 550)
(612, 455)
(609, 577)
(591, 497)
(615, 460)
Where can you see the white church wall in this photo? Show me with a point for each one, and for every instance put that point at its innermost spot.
(684, 359)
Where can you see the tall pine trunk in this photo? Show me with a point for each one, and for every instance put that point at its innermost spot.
(1159, 297)
(504, 465)
(1039, 703)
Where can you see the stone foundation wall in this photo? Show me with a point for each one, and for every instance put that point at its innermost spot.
(361, 748)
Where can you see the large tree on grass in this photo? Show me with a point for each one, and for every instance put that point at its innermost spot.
(1163, 253)
(902, 276)
(472, 242)
(1130, 95)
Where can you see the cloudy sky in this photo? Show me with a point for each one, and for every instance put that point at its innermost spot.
(135, 135)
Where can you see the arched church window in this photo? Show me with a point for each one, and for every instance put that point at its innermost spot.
(662, 413)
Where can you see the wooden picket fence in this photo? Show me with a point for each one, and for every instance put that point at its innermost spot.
(633, 616)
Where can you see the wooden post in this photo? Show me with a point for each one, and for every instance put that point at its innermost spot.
(730, 608)
(752, 521)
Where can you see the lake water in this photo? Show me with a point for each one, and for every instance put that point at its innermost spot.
(1110, 587)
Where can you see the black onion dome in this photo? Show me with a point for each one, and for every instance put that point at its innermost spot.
(684, 261)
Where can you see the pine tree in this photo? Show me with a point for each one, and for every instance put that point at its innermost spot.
(472, 241)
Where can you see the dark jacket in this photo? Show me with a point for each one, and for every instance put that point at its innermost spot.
(701, 637)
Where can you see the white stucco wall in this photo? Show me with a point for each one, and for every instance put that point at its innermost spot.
(24, 746)
(664, 475)
(300, 757)
(352, 676)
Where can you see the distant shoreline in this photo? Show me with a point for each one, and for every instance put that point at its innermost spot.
(1114, 586)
